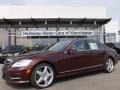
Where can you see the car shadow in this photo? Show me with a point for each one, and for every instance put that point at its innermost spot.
(58, 80)
(20, 86)
(76, 76)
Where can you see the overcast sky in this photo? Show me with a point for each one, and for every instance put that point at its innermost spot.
(111, 5)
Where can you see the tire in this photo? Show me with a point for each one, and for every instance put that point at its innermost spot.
(109, 65)
(42, 76)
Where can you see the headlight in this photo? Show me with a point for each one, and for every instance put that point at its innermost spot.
(22, 63)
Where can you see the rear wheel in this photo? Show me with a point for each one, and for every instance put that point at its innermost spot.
(42, 76)
(109, 66)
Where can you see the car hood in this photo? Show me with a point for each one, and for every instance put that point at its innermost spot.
(34, 55)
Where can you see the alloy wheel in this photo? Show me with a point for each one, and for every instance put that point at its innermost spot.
(42, 75)
(109, 65)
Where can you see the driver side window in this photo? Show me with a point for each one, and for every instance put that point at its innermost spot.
(79, 45)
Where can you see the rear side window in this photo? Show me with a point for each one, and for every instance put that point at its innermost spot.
(93, 45)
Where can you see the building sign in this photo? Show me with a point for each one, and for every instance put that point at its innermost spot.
(58, 33)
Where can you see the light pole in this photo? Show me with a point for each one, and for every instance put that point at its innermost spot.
(104, 35)
(9, 36)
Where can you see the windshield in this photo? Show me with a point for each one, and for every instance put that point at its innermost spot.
(59, 46)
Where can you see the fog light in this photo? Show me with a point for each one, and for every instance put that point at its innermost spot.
(28, 71)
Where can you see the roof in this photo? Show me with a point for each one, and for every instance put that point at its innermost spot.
(38, 22)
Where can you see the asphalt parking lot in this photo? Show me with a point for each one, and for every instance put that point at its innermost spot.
(90, 81)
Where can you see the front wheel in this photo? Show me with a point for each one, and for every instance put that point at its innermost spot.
(42, 76)
(109, 66)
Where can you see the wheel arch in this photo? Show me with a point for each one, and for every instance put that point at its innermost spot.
(47, 62)
(112, 59)
(32, 81)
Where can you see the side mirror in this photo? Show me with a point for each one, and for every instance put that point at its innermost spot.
(68, 51)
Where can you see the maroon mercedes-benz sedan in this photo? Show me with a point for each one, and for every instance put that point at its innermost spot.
(63, 58)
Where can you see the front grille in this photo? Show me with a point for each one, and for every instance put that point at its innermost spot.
(7, 64)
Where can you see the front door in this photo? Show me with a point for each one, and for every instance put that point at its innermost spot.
(77, 58)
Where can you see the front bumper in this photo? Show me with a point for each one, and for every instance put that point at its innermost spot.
(17, 75)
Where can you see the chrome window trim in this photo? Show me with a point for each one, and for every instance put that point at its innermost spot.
(81, 50)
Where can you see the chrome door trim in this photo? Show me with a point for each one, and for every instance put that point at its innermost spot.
(82, 69)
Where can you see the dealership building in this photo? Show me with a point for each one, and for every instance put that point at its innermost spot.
(45, 25)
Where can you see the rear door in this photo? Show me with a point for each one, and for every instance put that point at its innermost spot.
(97, 52)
